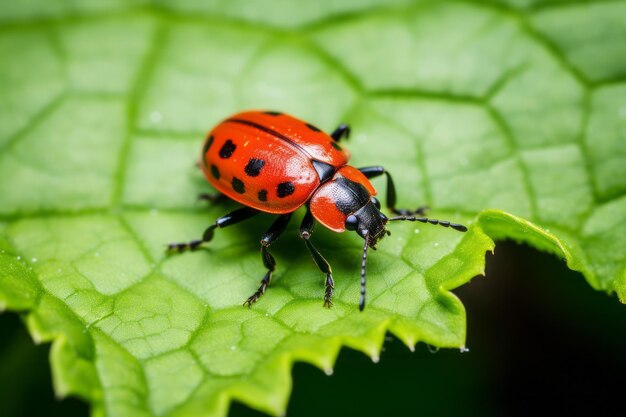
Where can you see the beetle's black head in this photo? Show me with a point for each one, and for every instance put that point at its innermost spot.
(368, 222)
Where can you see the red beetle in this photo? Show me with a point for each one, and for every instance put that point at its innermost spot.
(274, 163)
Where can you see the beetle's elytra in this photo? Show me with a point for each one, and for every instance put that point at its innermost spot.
(274, 163)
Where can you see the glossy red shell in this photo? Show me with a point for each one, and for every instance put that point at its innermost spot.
(264, 160)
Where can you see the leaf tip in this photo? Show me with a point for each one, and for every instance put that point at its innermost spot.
(329, 371)
(373, 351)
(463, 349)
(619, 287)
(409, 340)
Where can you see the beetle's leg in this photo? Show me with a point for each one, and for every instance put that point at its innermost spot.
(226, 220)
(342, 131)
(306, 230)
(275, 230)
(375, 171)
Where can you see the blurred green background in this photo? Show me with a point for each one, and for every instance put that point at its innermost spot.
(541, 342)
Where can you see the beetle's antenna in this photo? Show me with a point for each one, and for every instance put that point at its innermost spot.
(444, 223)
(363, 263)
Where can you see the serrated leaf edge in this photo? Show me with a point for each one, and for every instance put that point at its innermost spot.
(323, 356)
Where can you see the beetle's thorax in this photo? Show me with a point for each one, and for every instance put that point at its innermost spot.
(348, 196)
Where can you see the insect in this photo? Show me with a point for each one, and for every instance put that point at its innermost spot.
(274, 163)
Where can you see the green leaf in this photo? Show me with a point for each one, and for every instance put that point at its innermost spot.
(498, 115)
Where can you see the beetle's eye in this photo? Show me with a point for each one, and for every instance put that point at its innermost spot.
(376, 202)
(352, 222)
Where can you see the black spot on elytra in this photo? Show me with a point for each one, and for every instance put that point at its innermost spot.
(273, 113)
(215, 172)
(253, 167)
(227, 150)
(313, 128)
(336, 146)
(207, 145)
(263, 195)
(238, 185)
(285, 189)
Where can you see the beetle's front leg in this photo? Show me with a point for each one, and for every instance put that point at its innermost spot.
(375, 171)
(306, 229)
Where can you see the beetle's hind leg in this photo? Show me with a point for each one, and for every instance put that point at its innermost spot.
(226, 220)
(275, 230)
